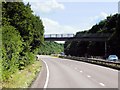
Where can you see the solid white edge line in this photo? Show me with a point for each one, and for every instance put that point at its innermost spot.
(81, 71)
(48, 74)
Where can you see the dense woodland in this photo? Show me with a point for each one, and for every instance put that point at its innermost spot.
(22, 33)
(22, 38)
(87, 48)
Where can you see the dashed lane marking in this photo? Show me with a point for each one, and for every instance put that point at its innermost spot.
(102, 84)
(81, 71)
(88, 76)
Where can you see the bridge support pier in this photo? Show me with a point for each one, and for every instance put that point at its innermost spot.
(105, 49)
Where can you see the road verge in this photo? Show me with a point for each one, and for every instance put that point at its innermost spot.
(23, 78)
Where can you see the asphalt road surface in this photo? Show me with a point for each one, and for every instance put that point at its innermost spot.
(64, 73)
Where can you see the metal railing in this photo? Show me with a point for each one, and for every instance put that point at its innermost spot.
(58, 35)
(78, 37)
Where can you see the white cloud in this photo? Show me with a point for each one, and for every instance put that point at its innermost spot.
(54, 27)
(98, 18)
(86, 25)
(45, 6)
(104, 15)
(73, 0)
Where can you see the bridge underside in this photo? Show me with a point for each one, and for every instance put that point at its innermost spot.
(101, 39)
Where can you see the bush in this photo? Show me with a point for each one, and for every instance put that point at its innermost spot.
(11, 47)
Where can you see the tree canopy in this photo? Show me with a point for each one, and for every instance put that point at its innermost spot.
(22, 34)
(82, 48)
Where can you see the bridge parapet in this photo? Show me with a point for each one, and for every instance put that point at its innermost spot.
(59, 35)
(78, 37)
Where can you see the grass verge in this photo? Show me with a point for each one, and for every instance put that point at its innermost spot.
(23, 78)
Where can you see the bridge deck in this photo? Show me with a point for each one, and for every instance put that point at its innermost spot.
(80, 37)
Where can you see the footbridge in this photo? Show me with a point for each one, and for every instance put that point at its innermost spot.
(79, 37)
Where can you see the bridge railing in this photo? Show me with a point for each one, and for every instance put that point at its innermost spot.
(81, 37)
(58, 35)
(78, 35)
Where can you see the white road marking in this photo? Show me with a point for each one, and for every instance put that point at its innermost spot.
(81, 71)
(92, 65)
(48, 74)
(88, 76)
(102, 84)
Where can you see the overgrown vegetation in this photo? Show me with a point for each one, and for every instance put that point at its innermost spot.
(22, 34)
(23, 78)
(50, 47)
(86, 48)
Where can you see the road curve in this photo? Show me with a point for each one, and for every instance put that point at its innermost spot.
(64, 73)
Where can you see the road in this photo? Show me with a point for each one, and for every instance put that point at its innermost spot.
(64, 73)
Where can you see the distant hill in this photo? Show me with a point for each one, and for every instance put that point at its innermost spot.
(50, 47)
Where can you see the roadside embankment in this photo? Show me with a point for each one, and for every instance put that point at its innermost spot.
(23, 78)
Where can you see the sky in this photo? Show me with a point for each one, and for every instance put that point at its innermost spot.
(71, 16)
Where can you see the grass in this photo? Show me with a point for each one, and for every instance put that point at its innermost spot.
(0, 73)
(23, 78)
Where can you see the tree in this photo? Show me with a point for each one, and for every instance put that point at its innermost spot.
(22, 35)
(110, 25)
(30, 26)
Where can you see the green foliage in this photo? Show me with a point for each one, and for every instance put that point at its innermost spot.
(50, 48)
(110, 25)
(22, 34)
(0, 57)
(114, 40)
(11, 47)
(30, 26)
(23, 78)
